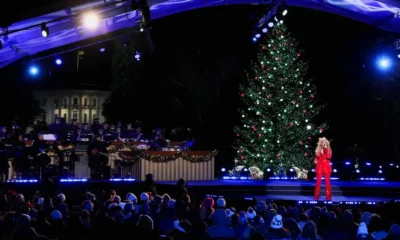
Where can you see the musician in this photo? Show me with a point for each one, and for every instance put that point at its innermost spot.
(158, 134)
(138, 135)
(58, 149)
(159, 142)
(97, 158)
(106, 129)
(118, 136)
(55, 127)
(76, 136)
(39, 149)
(86, 130)
(95, 126)
(4, 166)
(4, 134)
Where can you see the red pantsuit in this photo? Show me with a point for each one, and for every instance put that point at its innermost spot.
(323, 168)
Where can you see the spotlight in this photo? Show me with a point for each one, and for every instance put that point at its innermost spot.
(33, 70)
(102, 49)
(91, 20)
(58, 61)
(137, 56)
(384, 63)
(45, 30)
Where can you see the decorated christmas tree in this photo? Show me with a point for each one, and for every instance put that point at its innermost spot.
(278, 108)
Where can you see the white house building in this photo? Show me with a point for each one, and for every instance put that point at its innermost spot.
(80, 105)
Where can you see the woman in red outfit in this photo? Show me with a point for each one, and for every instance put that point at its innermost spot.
(323, 161)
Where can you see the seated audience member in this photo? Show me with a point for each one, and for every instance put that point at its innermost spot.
(309, 232)
(276, 230)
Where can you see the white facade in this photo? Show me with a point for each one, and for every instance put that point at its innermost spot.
(82, 105)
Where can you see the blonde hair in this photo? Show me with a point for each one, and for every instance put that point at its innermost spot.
(319, 145)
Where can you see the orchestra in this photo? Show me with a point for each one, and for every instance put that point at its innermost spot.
(52, 153)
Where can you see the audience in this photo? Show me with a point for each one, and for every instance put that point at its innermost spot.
(150, 216)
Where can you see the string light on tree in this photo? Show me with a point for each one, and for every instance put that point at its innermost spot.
(278, 107)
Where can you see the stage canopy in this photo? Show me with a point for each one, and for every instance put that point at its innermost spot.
(66, 26)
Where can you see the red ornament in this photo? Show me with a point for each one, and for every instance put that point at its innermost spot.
(312, 96)
(309, 138)
(291, 124)
(294, 102)
(305, 154)
(281, 79)
(268, 96)
(301, 143)
(301, 91)
(274, 48)
(263, 47)
(291, 44)
(238, 135)
(304, 111)
(298, 54)
(285, 44)
(259, 135)
(241, 150)
(262, 66)
(321, 129)
(256, 78)
(277, 59)
(278, 155)
(267, 69)
(242, 94)
(242, 157)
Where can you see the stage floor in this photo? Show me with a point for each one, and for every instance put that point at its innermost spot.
(286, 183)
(297, 190)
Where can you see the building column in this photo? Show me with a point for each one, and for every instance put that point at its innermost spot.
(69, 102)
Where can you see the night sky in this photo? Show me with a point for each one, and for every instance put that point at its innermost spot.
(362, 102)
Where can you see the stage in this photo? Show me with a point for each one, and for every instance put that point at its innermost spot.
(297, 190)
(344, 192)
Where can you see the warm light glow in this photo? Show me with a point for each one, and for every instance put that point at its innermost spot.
(91, 20)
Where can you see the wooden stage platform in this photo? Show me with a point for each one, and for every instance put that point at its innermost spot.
(286, 190)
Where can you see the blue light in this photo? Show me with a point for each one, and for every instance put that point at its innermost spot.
(223, 169)
(58, 61)
(384, 63)
(235, 178)
(368, 163)
(254, 39)
(122, 179)
(74, 180)
(264, 30)
(22, 181)
(33, 70)
(398, 55)
(347, 163)
(258, 35)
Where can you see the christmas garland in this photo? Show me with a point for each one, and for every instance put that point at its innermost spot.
(160, 157)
